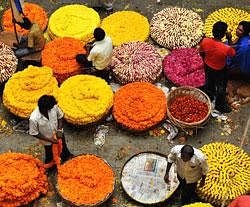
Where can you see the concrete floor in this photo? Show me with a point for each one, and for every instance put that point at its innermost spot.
(120, 145)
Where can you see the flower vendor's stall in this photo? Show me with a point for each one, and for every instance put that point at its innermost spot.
(228, 176)
(85, 99)
(76, 21)
(139, 106)
(33, 12)
(126, 26)
(24, 88)
(136, 61)
(175, 27)
(59, 54)
(198, 204)
(185, 67)
(231, 16)
(8, 62)
(86, 180)
(23, 179)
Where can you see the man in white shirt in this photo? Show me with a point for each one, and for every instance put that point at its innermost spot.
(191, 167)
(46, 120)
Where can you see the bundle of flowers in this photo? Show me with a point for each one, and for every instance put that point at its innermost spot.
(33, 12)
(228, 176)
(24, 88)
(22, 179)
(199, 204)
(136, 61)
(139, 106)
(75, 21)
(184, 67)
(60, 54)
(188, 109)
(85, 99)
(230, 15)
(85, 180)
(126, 26)
(8, 62)
(175, 27)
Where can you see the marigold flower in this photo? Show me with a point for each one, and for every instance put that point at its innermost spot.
(198, 204)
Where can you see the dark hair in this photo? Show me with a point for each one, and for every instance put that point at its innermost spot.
(45, 103)
(187, 149)
(81, 59)
(26, 24)
(99, 34)
(246, 27)
(219, 30)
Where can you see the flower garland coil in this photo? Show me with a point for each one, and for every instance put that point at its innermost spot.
(228, 176)
(33, 12)
(85, 99)
(76, 21)
(136, 61)
(24, 88)
(231, 16)
(85, 180)
(59, 54)
(175, 27)
(139, 106)
(8, 62)
(126, 26)
(198, 204)
(185, 67)
(22, 179)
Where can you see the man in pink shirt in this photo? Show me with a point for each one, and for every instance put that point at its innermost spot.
(241, 201)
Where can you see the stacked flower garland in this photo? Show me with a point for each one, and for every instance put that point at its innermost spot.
(24, 88)
(198, 205)
(8, 62)
(75, 21)
(184, 67)
(33, 12)
(85, 99)
(139, 106)
(175, 27)
(126, 26)
(230, 15)
(228, 176)
(23, 179)
(60, 54)
(136, 61)
(85, 180)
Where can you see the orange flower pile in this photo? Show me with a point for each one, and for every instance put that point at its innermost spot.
(139, 106)
(22, 179)
(33, 12)
(60, 54)
(85, 180)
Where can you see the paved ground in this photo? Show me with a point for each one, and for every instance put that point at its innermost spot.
(120, 145)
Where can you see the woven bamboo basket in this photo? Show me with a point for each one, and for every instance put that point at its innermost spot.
(198, 94)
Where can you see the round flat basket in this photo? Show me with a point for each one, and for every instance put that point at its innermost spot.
(142, 178)
(70, 203)
(196, 93)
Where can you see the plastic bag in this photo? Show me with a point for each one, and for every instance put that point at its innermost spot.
(100, 135)
(173, 131)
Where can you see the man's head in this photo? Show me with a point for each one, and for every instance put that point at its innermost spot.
(81, 59)
(187, 152)
(243, 29)
(45, 103)
(26, 24)
(219, 30)
(99, 34)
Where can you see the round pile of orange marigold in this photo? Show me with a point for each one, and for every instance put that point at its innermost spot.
(33, 12)
(85, 180)
(22, 179)
(60, 54)
(139, 106)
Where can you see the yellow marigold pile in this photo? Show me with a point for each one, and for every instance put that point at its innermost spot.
(85, 99)
(22, 179)
(126, 26)
(229, 173)
(230, 15)
(75, 21)
(24, 88)
(198, 205)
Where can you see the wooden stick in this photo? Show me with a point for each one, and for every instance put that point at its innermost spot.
(12, 13)
(244, 136)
